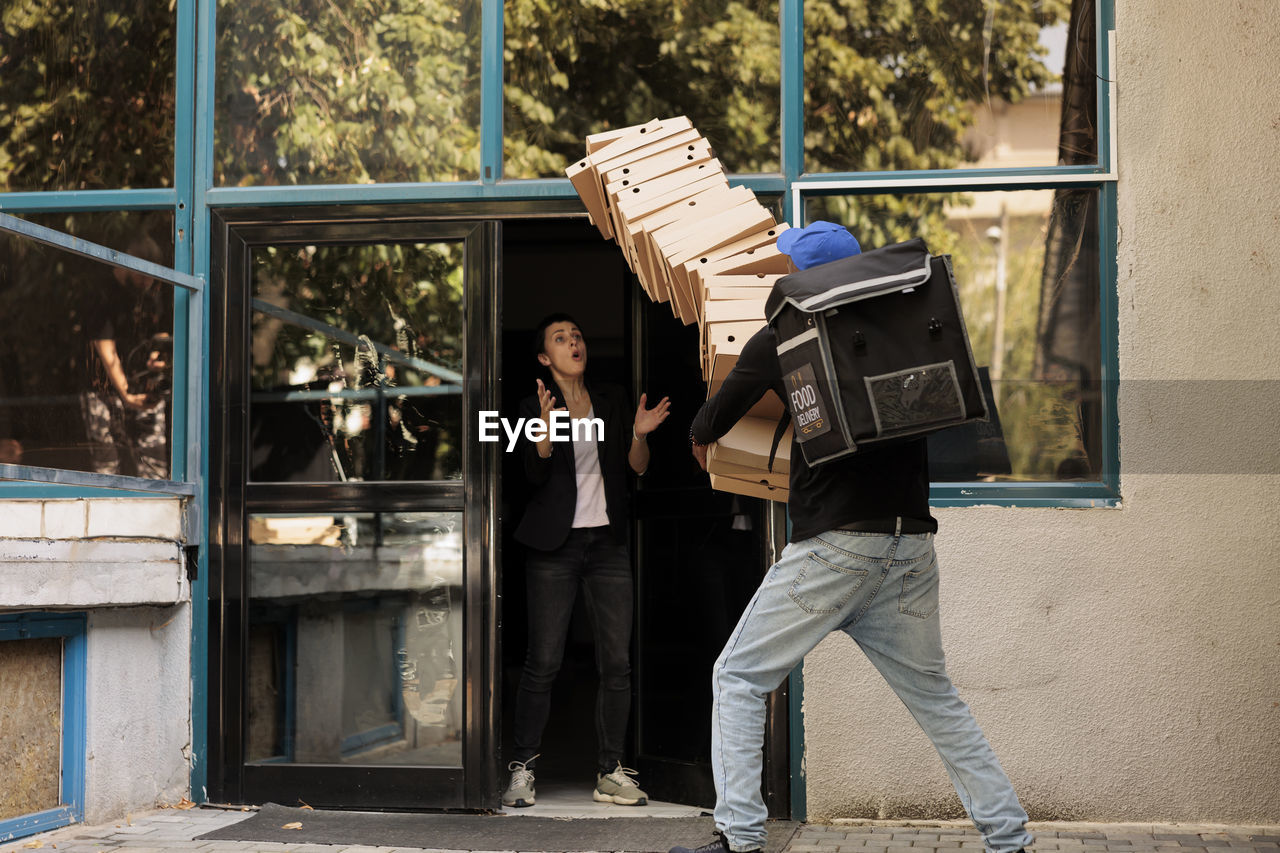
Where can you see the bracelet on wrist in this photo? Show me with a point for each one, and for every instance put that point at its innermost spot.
(637, 436)
(693, 440)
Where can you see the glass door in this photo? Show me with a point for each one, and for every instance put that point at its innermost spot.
(353, 514)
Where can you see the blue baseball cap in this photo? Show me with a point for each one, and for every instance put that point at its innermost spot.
(817, 243)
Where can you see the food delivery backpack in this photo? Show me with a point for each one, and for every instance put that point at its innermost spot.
(873, 347)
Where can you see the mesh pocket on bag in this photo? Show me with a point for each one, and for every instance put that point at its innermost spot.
(916, 398)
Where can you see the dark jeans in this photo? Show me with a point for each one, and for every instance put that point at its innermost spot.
(589, 559)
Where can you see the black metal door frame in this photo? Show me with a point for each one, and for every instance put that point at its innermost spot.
(235, 234)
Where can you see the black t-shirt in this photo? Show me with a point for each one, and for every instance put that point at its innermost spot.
(875, 484)
(140, 321)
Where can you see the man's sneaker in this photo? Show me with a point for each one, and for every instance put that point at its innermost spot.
(618, 787)
(520, 792)
(720, 845)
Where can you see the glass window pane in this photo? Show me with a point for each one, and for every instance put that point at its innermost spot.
(582, 68)
(88, 352)
(357, 363)
(1027, 267)
(355, 639)
(329, 93)
(895, 87)
(114, 229)
(86, 95)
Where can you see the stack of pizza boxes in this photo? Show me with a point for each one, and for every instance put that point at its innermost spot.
(707, 250)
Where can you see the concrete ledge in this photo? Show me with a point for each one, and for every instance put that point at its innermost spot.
(108, 572)
(73, 518)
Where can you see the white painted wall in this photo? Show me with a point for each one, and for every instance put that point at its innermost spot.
(121, 562)
(139, 694)
(1125, 663)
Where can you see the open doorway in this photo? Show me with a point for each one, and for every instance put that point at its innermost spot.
(697, 554)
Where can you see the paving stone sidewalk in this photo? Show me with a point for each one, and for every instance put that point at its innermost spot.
(164, 830)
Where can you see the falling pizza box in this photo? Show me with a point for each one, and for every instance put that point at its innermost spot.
(706, 231)
(596, 141)
(773, 479)
(733, 311)
(718, 287)
(747, 488)
(629, 178)
(660, 144)
(694, 268)
(749, 442)
(730, 311)
(586, 179)
(726, 338)
(715, 195)
(632, 213)
(720, 230)
(766, 259)
(682, 218)
(619, 178)
(657, 193)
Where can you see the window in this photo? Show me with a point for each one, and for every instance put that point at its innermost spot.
(89, 334)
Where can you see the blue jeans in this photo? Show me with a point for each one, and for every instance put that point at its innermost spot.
(589, 559)
(881, 590)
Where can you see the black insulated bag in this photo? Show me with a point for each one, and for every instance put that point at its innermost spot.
(873, 347)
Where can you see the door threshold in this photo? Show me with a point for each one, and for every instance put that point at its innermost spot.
(573, 800)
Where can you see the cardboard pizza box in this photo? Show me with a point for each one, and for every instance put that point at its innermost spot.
(656, 165)
(584, 174)
(660, 143)
(694, 268)
(766, 259)
(748, 443)
(620, 182)
(657, 193)
(716, 464)
(733, 287)
(683, 217)
(708, 230)
(726, 338)
(749, 489)
(631, 213)
(719, 230)
(596, 141)
(637, 232)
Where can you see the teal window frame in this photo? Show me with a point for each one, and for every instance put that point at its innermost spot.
(71, 628)
(194, 197)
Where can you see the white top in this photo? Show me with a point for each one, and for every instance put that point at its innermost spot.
(590, 510)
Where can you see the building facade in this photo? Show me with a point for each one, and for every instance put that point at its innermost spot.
(267, 560)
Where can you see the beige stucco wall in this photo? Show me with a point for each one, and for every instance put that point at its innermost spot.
(1125, 663)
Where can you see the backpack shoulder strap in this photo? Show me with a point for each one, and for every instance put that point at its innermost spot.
(778, 432)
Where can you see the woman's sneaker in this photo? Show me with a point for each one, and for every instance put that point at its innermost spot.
(520, 792)
(618, 787)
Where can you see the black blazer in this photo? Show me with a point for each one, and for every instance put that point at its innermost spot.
(548, 518)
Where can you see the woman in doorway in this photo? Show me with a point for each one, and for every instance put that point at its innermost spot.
(576, 529)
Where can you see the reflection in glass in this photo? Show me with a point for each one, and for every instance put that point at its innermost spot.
(355, 639)
(87, 95)
(325, 93)
(88, 350)
(581, 68)
(1027, 267)
(356, 363)
(967, 85)
(116, 229)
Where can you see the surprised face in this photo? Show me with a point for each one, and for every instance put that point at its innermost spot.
(564, 350)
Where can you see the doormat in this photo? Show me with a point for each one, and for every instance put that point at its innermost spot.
(482, 832)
